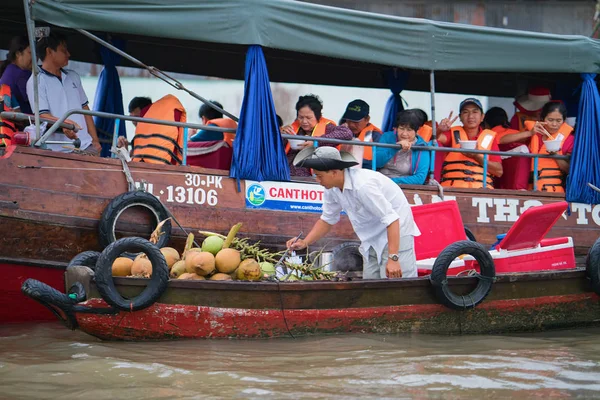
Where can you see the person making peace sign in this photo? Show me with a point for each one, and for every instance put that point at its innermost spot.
(465, 170)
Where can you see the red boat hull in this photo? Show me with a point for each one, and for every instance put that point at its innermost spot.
(170, 321)
(14, 305)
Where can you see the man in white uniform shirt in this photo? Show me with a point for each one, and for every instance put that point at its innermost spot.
(376, 206)
(60, 90)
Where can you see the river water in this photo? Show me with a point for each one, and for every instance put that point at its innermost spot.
(46, 361)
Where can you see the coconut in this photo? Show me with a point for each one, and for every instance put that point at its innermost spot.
(192, 250)
(141, 266)
(227, 260)
(220, 277)
(178, 269)
(171, 255)
(202, 263)
(267, 268)
(249, 270)
(122, 266)
(189, 276)
(212, 244)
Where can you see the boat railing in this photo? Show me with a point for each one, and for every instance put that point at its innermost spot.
(434, 149)
(186, 125)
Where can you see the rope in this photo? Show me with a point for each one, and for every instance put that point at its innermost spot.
(283, 309)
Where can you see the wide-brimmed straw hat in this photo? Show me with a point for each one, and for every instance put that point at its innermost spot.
(534, 100)
(324, 158)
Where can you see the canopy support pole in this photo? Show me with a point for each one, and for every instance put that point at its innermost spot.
(433, 125)
(156, 72)
(31, 34)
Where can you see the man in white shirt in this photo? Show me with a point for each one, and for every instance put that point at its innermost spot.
(60, 90)
(376, 206)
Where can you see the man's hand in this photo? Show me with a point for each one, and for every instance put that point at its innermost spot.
(97, 146)
(69, 133)
(298, 245)
(392, 269)
(446, 123)
(122, 141)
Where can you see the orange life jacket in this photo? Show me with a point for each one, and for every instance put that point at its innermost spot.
(461, 171)
(549, 176)
(160, 144)
(225, 123)
(502, 131)
(426, 132)
(526, 117)
(366, 135)
(7, 128)
(318, 130)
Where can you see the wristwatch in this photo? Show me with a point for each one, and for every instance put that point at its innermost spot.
(393, 257)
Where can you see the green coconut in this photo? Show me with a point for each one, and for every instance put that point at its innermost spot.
(212, 244)
(267, 268)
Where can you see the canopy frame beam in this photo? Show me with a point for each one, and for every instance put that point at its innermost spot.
(30, 23)
(156, 72)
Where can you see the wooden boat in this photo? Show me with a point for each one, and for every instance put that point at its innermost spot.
(51, 205)
(552, 293)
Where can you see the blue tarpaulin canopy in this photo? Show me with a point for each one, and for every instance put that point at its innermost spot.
(109, 97)
(396, 82)
(258, 151)
(585, 167)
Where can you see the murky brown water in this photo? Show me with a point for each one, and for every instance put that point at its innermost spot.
(47, 361)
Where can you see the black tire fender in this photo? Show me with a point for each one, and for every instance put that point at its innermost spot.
(60, 304)
(152, 292)
(85, 259)
(486, 276)
(470, 235)
(112, 212)
(592, 265)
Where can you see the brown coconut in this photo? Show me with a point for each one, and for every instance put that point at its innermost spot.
(178, 269)
(171, 255)
(220, 277)
(227, 260)
(122, 266)
(189, 276)
(249, 270)
(141, 266)
(190, 251)
(201, 263)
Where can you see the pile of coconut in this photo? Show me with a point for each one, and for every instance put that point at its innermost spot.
(210, 261)
(221, 258)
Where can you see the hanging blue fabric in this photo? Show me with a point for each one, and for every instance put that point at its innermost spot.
(396, 81)
(258, 152)
(109, 97)
(585, 161)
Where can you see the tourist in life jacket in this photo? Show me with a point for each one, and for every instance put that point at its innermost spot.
(212, 117)
(357, 118)
(15, 71)
(404, 166)
(60, 90)
(137, 107)
(515, 174)
(380, 214)
(309, 122)
(529, 106)
(551, 173)
(159, 144)
(465, 170)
